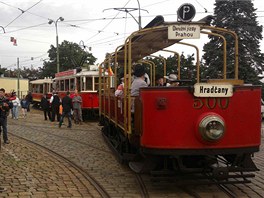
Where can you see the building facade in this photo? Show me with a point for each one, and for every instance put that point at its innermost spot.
(21, 86)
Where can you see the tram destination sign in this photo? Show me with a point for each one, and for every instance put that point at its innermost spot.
(213, 90)
(66, 73)
(184, 31)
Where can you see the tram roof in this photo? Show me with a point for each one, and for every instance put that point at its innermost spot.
(41, 81)
(154, 39)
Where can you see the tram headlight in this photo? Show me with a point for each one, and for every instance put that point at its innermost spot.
(212, 128)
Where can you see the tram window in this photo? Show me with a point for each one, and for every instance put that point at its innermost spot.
(61, 85)
(78, 83)
(45, 88)
(72, 84)
(83, 83)
(89, 83)
(67, 84)
(40, 89)
(33, 88)
(55, 85)
(96, 83)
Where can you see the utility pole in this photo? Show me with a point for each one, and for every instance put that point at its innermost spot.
(139, 16)
(18, 76)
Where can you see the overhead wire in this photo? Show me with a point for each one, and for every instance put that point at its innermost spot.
(90, 20)
(33, 26)
(23, 11)
(202, 6)
(106, 24)
(27, 60)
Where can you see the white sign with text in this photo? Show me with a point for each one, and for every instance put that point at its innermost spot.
(213, 90)
(184, 32)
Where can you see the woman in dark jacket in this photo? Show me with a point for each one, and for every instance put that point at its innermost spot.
(44, 103)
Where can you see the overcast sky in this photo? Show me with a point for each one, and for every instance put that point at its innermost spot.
(94, 22)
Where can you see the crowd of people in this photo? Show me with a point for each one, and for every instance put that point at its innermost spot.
(12, 104)
(57, 108)
(140, 79)
(70, 106)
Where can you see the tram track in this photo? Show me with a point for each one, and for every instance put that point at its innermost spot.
(227, 190)
(143, 188)
(142, 184)
(100, 189)
(50, 133)
(36, 128)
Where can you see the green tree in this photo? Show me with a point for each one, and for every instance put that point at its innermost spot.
(240, 17)
(71, 57)
(2, 70)
(187, 67)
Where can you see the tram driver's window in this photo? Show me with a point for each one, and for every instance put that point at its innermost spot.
(89, 83)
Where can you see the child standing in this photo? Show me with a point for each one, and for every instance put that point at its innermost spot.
(24, 106)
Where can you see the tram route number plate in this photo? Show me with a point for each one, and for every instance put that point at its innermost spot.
(213, 90)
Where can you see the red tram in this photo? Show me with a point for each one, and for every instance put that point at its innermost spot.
(85, 81)
(40, 87)
(210, 128)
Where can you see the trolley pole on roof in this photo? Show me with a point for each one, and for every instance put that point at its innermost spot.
(3, 28)
(128, 10)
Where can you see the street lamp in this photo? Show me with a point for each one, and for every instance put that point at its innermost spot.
(57, 41)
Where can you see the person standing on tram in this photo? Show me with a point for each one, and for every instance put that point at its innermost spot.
(172, 80)
(139, 81)
(159, 80)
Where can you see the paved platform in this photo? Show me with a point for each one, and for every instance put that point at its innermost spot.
(29, 171)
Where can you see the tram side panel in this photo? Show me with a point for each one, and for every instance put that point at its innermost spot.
(90, 100)
(170, 119)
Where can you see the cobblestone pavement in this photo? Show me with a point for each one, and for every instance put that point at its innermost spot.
(27, 171)
(30, 172)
